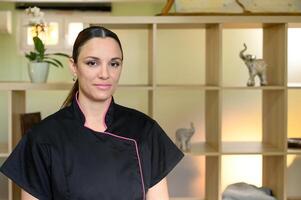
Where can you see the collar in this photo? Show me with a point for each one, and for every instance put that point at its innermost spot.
(108, 115)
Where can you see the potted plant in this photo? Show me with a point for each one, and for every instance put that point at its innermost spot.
(39, 61)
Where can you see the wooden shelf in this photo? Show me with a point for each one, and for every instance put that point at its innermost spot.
(239, 148)
(196, 87)
(294, 85)
(202, 148)
(294, 151)
(253, 88)
(34, 86)
(55, 86)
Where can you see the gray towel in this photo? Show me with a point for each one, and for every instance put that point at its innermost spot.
(244, 191)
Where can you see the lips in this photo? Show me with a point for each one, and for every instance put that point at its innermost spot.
(103, 86)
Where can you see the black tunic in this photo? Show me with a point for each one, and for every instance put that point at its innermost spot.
(61, 158)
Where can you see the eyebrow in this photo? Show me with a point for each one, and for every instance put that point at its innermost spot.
(96, 58)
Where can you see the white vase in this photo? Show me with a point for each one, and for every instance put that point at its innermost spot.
(38, 71)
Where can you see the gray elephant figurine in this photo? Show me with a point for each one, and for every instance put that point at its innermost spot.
(183, 136)
(256, 67)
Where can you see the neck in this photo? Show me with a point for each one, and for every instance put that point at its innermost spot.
(94, 112)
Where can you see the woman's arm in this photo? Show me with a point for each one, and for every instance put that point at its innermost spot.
(26, 196)
(158, 191)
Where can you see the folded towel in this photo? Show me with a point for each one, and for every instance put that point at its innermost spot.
(244, 191)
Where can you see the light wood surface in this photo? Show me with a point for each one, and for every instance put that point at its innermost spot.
(249, 148)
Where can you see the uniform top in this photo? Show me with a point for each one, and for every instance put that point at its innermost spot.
(61, 158)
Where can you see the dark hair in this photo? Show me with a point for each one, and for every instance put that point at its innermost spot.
(85, 35)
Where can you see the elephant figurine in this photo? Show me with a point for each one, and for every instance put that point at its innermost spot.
(256, 67)
(183, 136)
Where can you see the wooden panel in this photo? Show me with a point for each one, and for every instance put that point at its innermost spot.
(213, 118)
(275, 52)
(212, 185)
(213, 54)
(152, 40)
(274, 175)
(18, 107)
(274, 118)
(239, 148)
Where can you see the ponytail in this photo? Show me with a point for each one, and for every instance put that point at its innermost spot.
(71, 95)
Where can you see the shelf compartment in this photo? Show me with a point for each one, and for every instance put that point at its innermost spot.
(241, 115)
(187, 179)
(235, 72)
(185, 45)
(4, 184)
(241, 168)
(232, 148)
(293, 56)
(139, 99)
(195, 177)
(35, 101)
(294, 112)
(274, 118)
(175, 109)
(293, 177)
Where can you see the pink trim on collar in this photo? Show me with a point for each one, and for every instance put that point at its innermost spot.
(138, 157)
(103, 116)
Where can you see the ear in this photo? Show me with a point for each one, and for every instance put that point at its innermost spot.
(72, 66)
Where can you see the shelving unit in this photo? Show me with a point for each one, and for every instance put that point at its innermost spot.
(209, 91)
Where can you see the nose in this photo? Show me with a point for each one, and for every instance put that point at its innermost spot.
(103, 72)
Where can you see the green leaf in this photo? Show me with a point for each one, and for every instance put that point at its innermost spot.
(52, 63)
(55, 60)
(32, 56)
(60, 54)
(39, 46)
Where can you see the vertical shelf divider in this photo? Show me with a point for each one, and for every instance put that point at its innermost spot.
(152, 67)
(274, 107)
(18, 102)
(213, 109)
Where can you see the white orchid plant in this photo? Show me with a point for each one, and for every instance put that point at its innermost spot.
(38, 22)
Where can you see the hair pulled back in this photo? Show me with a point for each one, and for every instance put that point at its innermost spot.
(84, 36)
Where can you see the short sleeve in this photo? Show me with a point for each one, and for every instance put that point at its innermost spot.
(164, 154)
(28, 166)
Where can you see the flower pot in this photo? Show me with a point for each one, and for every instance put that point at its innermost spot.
(38, 71)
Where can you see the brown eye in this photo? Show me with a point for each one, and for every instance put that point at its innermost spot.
(115, 64)
(91, 63)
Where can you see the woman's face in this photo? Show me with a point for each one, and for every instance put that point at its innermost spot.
(98, 68)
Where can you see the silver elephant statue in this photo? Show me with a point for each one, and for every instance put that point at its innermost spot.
(183, 136)
(256, 67)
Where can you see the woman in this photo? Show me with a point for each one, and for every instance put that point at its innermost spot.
(94, 149)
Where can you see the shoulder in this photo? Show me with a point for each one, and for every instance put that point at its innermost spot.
(133, 123)
(132, 115)
(49, 128)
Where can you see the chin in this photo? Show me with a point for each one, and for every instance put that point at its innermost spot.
(102, 97)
